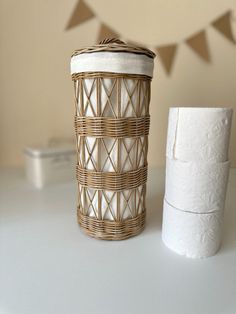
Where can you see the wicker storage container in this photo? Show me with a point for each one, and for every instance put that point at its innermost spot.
(112, 95)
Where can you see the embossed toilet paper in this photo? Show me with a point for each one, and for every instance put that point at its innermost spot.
(199, 134)
(190, 234)
(197, 169)
(198, 187)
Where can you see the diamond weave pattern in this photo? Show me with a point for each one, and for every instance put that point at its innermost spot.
(114, 98)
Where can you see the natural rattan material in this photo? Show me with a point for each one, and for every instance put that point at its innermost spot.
(90, 83)
(111, 230)
(131, 203)
(112, 123)
(112, 181)
(101, 127)
(115, 45)
(110, 75)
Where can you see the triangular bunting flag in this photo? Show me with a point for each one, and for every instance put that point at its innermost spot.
(167, 55)
(223, 25)
(106, 32)
(199, 45)
(136, 44)
(81, 13)
(132, 43)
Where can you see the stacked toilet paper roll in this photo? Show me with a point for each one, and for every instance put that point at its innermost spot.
(197, 169)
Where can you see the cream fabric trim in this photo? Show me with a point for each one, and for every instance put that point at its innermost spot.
(118, 62)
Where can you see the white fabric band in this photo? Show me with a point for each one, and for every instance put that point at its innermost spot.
(117, 62)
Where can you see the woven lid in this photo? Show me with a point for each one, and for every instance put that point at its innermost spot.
(115, 45)
(113, 55)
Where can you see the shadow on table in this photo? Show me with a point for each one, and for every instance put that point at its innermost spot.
(229, 235)
(154, 212)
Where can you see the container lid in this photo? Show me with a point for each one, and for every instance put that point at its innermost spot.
(113, 55)
(50, 151)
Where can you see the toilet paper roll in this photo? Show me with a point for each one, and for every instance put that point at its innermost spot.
(190, 234)
(199, 134)
(198, 187)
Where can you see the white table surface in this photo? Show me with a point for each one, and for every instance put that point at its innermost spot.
(48, 266)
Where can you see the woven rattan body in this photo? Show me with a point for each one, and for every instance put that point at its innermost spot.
(112, 124)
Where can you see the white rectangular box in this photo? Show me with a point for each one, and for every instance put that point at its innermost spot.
(52, 164)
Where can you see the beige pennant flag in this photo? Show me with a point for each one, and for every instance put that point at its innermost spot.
(223, 25)
(132, 43)
(106, 32)
(198, 43)
(136, 44)
(167, 56)
(81, 13)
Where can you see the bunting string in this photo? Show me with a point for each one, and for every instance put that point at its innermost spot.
(197, 42)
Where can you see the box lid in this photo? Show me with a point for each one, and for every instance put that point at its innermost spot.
(50, 151)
